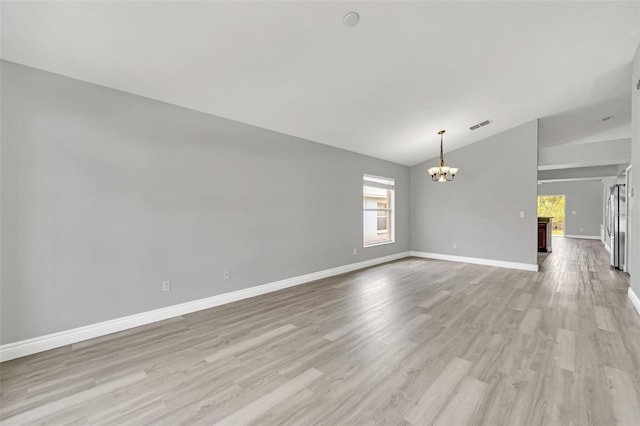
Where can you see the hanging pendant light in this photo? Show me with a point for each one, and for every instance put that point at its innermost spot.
(442, 173)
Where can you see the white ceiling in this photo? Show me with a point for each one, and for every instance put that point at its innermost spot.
(383, 88)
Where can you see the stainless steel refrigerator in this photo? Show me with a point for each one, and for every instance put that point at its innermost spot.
(616, 225)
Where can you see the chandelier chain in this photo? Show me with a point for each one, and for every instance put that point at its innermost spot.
(441, 150)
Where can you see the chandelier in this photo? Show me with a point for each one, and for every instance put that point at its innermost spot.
(442, 173)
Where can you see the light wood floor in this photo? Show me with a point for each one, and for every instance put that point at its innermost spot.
(411, 342)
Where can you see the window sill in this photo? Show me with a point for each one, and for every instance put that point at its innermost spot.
(383, 243)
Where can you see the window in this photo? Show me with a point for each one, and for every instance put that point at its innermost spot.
(383, 218)
(377, 210)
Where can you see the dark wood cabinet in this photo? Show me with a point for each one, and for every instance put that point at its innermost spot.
(542, 236)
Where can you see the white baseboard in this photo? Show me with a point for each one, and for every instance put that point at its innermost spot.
(634, 299)
(55, 340)
(584, 237)
(477, 261)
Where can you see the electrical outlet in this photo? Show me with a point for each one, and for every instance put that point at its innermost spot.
(522, 214)
(581, 229)
(573, 212)
(455, 246)
(226, 275)
(355, 251)
(166, 285)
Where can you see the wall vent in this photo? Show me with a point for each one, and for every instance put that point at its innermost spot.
(477, 126)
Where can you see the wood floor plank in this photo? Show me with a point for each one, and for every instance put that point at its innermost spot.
(566, 349)
(402, 331)
(530, 321)
(341, 331)
(626, 401)
(434, 399)
(263, 404)
(604, 320)
(483, 276)
(523, 301)
(435, 299)
(464, 405)
(249, 343)
(563, 393)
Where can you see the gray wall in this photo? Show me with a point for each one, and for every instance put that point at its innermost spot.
(582, 197)
(105, 194)
(480, 209)
(634, 241)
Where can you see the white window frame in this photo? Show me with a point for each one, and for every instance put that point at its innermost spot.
(380, 183)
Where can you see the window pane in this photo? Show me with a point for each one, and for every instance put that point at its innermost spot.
(382, 224)
(375, 197)
(376, 228)
(383, 221)
(379, 193)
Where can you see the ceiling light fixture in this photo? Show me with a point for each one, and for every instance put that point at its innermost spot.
(351, 19)
(442, 173)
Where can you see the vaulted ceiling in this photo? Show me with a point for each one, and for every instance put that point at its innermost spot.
(382, 88)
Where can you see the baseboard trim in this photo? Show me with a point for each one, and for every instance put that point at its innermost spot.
(477, 261)
(634, 299)
(584, 237)
(22, 348)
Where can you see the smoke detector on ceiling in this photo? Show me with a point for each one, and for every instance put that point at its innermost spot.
(477, 126)
(351, 19)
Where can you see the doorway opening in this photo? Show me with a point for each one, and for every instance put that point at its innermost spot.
(553, 206)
